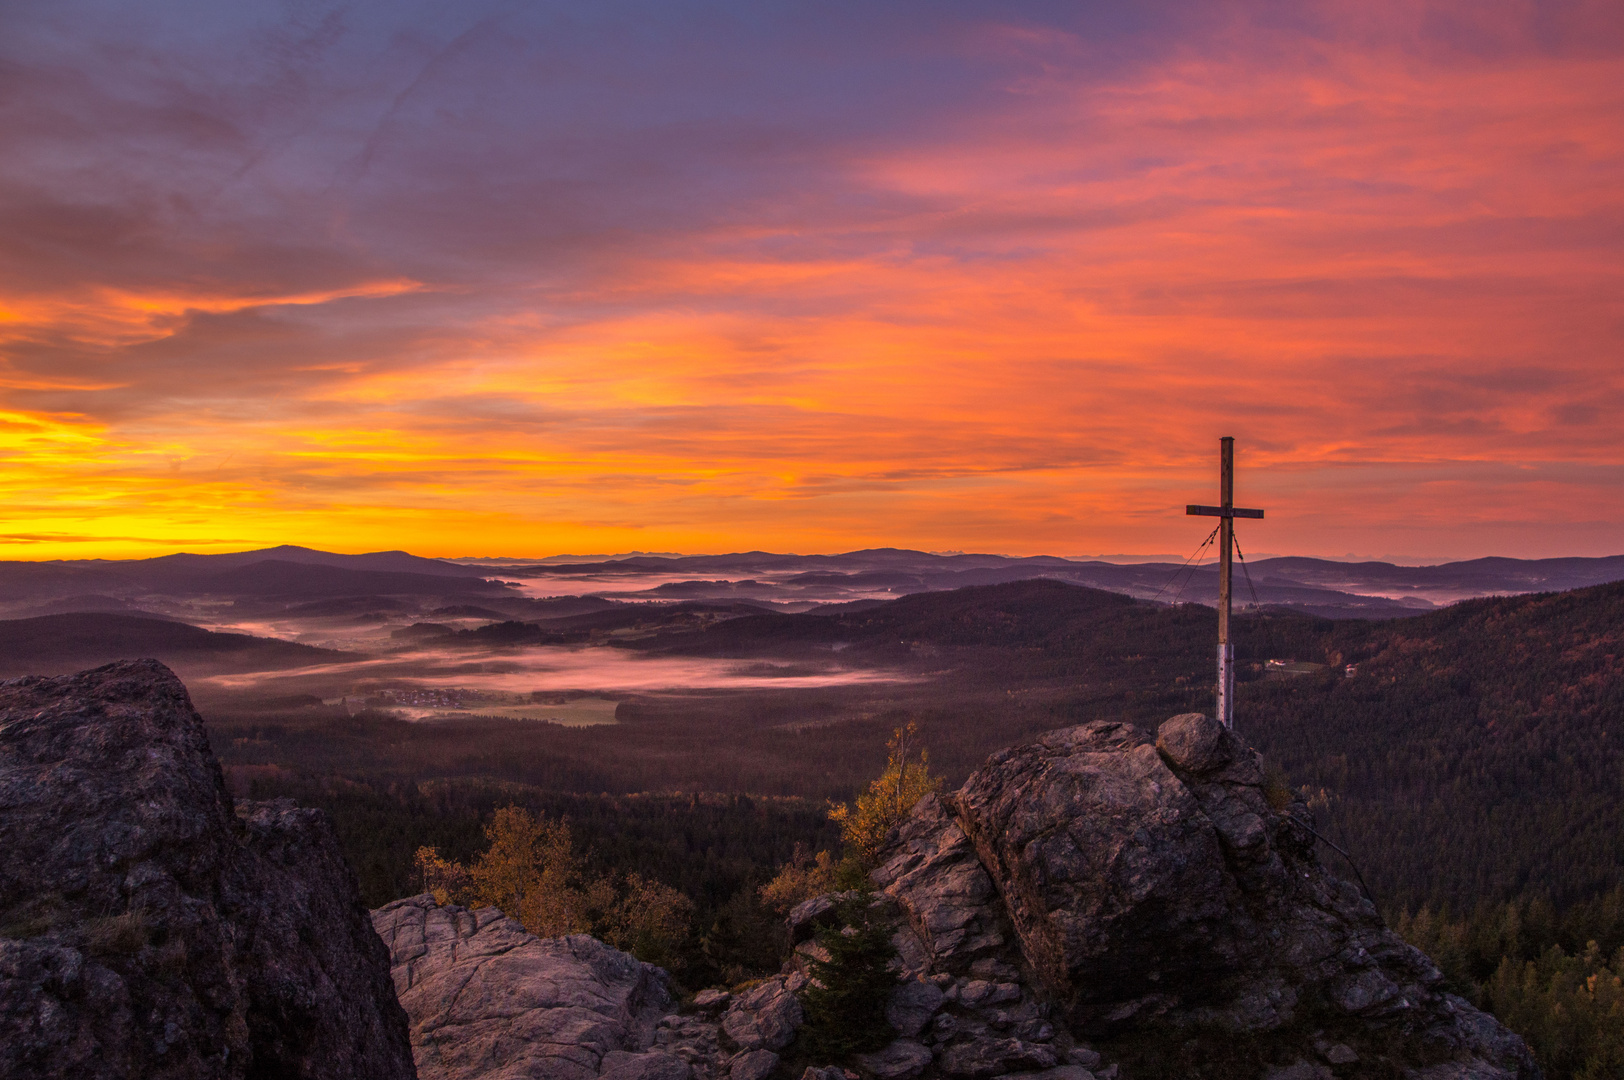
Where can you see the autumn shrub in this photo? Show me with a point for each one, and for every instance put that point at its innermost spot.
(444, 879)
(532, 873)
(875, 812)
(648, 920)
(799, 880)
(863, 827)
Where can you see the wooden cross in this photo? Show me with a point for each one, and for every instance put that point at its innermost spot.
(1226, 515)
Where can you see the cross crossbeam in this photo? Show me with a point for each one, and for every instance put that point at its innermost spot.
(1218, 511)
(1226, 513)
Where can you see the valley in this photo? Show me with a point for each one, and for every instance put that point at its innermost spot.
(1470, 758)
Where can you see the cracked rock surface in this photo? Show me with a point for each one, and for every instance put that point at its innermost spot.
(149, 928)
(1183, 923)
(488, 999)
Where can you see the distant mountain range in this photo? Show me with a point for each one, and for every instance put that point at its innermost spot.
(252, 581)
(1314, 586)
(304, 583)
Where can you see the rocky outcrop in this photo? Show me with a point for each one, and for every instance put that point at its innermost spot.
(932, 870)
(1095, 891)
(1097, 904)
(150, 929)
(1092, 906)
(488, 999)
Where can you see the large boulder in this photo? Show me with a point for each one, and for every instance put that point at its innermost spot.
(488, 999)
(149, 928)
(1101, 902)
(1183, 921)
(768, 1016)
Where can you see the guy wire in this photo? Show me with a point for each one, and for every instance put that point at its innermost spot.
(1239, 555)
(1186, 566)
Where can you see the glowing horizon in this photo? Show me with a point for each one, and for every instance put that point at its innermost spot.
(976, 277)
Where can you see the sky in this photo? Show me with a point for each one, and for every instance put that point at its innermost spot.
(521, 278)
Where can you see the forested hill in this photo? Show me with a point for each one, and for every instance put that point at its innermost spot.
(1474, 757)
(59, 644)
(1477, 754)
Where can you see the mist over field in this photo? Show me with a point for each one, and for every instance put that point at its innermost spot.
(376, 628)
(600, 668)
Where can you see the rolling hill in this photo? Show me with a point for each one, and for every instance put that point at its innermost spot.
(1477, 753)
(60, 644)
(1322, 587)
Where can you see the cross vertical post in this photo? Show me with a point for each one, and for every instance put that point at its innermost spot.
(1226, 513)
(1226, 571)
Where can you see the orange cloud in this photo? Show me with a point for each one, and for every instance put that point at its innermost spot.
(1391, 268)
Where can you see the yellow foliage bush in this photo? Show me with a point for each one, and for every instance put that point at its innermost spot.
(531, 872)
(444, 879)
(888, 799)
(802, 878)
(649, 920)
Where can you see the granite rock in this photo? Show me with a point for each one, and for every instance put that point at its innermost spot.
(898, 1059)
(979, 1059)
(768, 1016)
(1159, 898)
(649, 1065)
(487, 998)
(911, 1007)
(150, 928)
(753, 1065)
(932, 871)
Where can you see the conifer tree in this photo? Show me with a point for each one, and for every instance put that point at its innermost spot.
(845, 1003)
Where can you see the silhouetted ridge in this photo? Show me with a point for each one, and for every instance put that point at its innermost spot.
(51, 643)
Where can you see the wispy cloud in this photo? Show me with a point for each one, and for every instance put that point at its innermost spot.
(806, 277)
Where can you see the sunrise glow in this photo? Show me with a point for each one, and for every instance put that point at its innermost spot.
(986, 277)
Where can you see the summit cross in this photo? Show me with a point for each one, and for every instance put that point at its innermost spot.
(1226, 513)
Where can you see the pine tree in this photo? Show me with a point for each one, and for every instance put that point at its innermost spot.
(845, 1003)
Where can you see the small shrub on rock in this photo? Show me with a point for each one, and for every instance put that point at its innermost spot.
(799, 880)
(533, 874)
(863, 825)
(845, 1001)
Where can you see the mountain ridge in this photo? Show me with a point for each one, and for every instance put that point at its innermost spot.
(63, 643)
